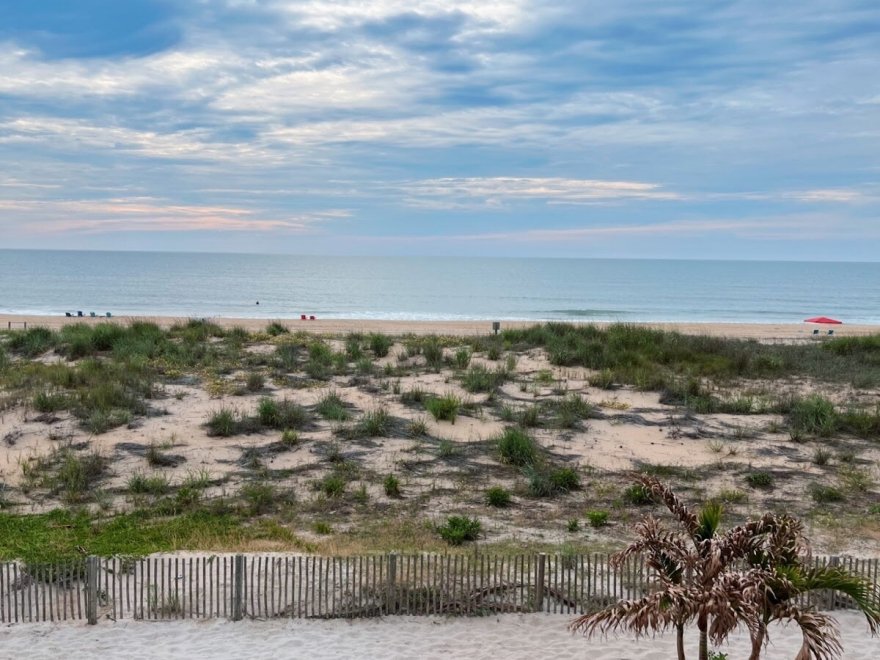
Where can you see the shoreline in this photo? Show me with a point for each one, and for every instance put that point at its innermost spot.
(758, 331)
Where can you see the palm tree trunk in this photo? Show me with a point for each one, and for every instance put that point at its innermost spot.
(679, 640)
(757, 645)
(702, 625)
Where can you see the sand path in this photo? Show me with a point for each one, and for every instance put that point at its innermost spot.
(511, 636)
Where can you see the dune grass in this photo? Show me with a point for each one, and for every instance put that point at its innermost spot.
(443, 408)
(517, 448)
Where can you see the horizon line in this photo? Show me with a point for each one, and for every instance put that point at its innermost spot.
(437, 256)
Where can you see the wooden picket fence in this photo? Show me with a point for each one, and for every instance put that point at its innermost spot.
(292, 586)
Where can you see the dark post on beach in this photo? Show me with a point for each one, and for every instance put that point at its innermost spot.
(496, 326)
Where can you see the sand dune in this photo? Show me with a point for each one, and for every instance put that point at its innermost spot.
(515, 637)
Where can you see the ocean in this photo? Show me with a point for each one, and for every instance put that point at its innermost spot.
(435, 288)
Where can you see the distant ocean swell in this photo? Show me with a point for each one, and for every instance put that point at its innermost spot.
(435, 289)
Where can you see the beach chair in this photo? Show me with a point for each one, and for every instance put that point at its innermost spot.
(303, 317)
(79, 314)
(816, 331)
(109, 315)
(830, 332)
(92, 314)
(68, 314)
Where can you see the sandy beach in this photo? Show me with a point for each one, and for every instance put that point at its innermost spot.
(512, 637)
(759, 331)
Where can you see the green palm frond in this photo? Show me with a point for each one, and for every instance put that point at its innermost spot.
(864, 594)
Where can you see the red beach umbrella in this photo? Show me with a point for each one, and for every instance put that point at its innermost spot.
(823, 319)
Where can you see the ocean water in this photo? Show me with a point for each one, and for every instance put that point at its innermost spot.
(435, 288)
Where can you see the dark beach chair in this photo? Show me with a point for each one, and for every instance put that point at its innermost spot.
(68, 314)
(92, 314)
(830, 332)
(79, 314)
(302, 317)
(816, 331)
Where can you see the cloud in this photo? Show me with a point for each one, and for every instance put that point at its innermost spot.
(493, 191)
(781, 227)
(149, 215)
(830, 195)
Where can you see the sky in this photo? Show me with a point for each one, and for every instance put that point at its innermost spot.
(555, 128)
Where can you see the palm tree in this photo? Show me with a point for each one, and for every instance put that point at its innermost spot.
(693, 581)
(780, 568)
(698, 580)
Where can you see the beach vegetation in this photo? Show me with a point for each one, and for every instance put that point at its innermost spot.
(332, 485)
(760, 479)
(374, 423)
(443, 408)
(276, 329)
(156, 484)
(571, 410)
(354, 346)
(380, 344)
(323, 362)
(31, 342)
(459, 529)
(283, 414)
(529, 416)
(551, 482)
(517, 448)
(56, 535)
(289, 438)
(432, 350)
(603, 379)
(287, 355)
(481, 379)
(47, 402)
(322, 527)
(821, 456)
(255, 381)
(498, 496)
(417, 427)
(814, 415)
(158, 458)
(447, 449)
(332, 407)
(413, 396)
(364, 366)
(391, 485)
(638, 495)
(224, 422)
(462, 358)
(597, 518)
(260, 497)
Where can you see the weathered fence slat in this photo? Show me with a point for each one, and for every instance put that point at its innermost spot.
(326, 587)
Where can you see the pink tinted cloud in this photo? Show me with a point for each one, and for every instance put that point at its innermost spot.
(149, 215)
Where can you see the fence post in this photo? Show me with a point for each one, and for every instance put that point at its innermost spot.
(92, 567)
(831, 595)
(392, 582)
(539, 582)
(238, 587)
